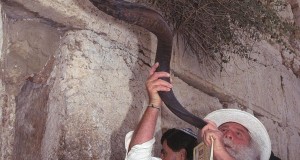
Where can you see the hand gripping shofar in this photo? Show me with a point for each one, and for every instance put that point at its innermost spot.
(152, 21)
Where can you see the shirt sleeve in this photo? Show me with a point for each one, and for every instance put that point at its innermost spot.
(141, 151)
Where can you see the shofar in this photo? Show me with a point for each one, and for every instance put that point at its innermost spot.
(151, 20)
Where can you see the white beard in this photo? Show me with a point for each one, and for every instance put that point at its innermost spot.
(241, 152)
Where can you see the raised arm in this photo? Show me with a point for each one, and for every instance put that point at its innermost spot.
(146, 127)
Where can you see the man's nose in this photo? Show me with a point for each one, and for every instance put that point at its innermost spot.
(228, 134)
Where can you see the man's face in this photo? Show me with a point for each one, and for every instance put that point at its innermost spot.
(237, 141)
(168, 154)
(235, 132)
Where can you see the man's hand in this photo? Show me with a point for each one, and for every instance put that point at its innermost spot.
(154, 84)
(209, 132)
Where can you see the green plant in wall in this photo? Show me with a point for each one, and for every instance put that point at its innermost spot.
(206, 26)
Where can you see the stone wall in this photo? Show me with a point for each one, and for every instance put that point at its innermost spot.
(72, 83)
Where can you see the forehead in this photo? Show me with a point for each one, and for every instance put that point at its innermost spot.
(234, 125)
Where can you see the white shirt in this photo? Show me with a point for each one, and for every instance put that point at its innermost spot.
(141, 151)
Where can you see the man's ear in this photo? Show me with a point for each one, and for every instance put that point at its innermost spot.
(183, 154)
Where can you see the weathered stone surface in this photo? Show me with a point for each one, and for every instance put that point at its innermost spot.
(102, 83)
(28, 44)
(77, 14)
(285, 12)
(295, 6)
(96, 94)
(260, 86)
(31, 116)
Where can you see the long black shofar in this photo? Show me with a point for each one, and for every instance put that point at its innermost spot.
(152, 21)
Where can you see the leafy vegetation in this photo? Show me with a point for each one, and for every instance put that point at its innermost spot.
(206, 26)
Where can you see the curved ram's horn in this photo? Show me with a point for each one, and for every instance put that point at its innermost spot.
(152, 21)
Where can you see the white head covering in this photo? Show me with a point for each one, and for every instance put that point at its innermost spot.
(256, 129)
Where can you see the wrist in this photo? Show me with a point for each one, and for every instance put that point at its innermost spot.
(157, 102)
(151, 105)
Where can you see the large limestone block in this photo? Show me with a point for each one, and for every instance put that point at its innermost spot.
(97, 97)
(255, 85)
(267, 87)
(29, 42)
(31, 116)
(26, 44)
(285, 139)
(279, 137)
(77, 14)
(291, 94)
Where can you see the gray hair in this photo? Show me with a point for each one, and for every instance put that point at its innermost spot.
(242, 152)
